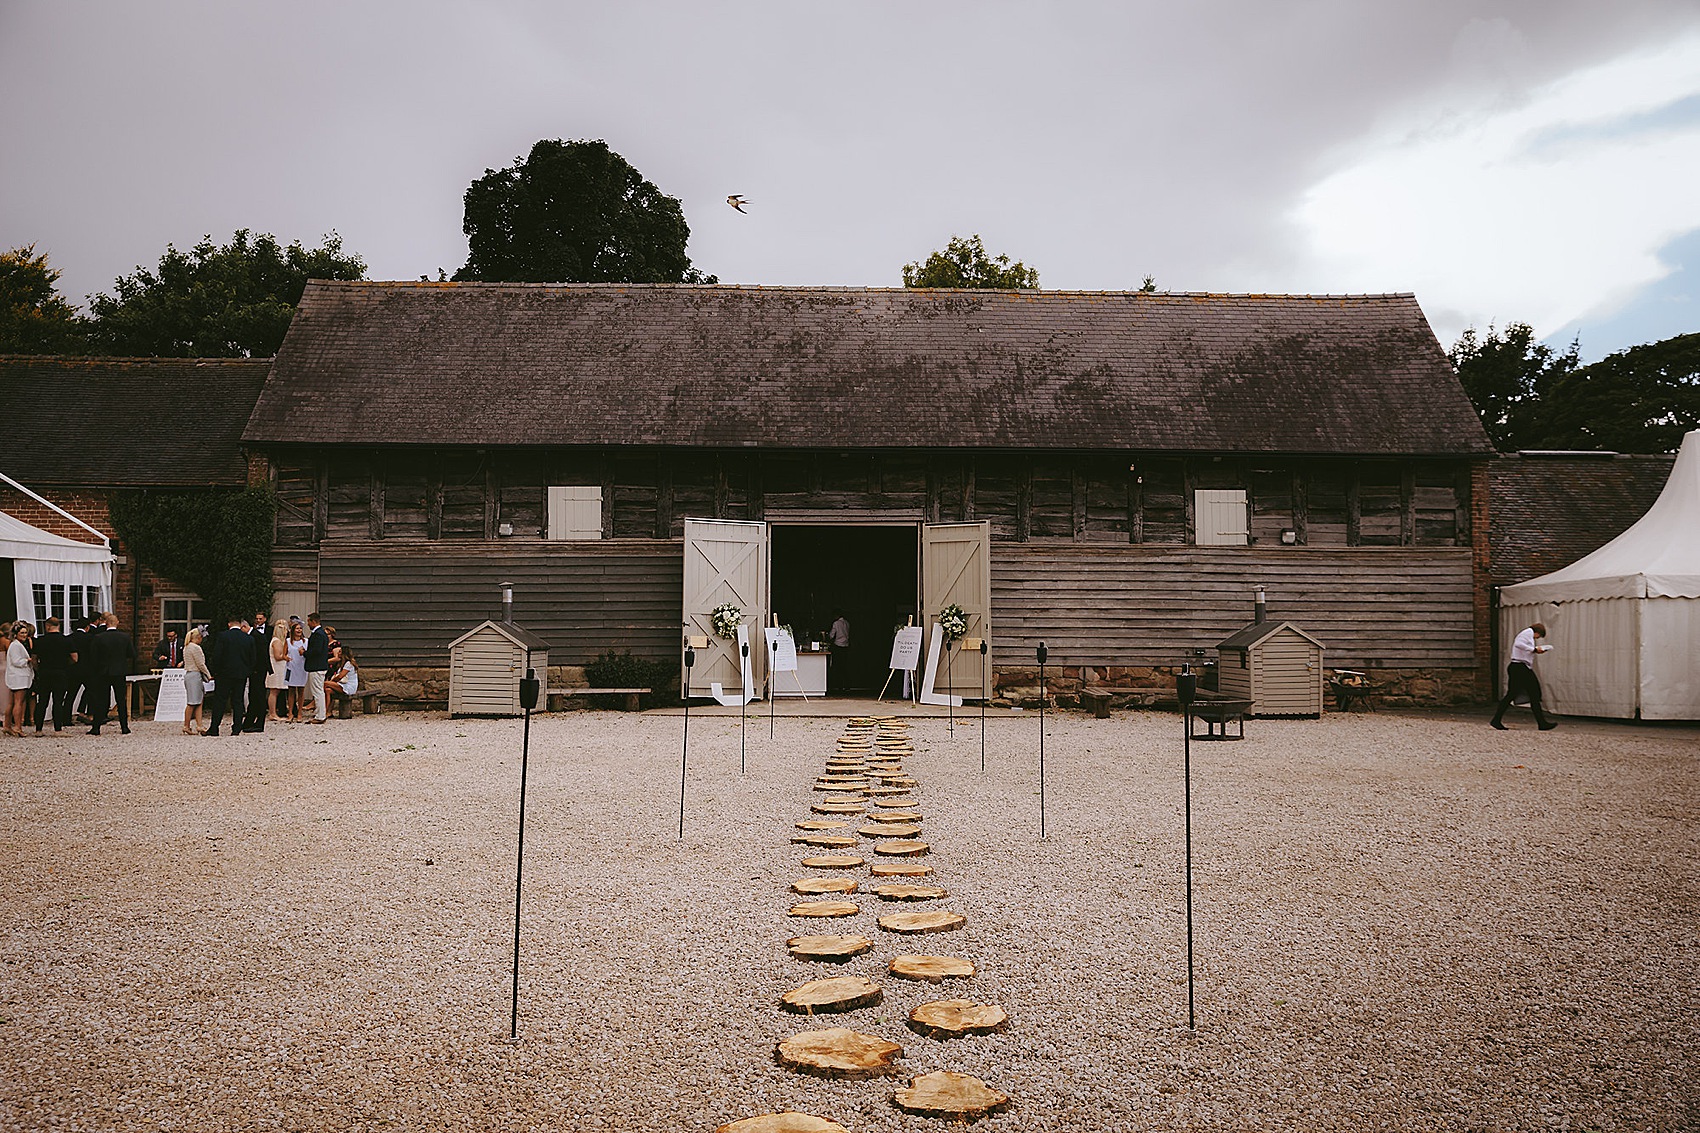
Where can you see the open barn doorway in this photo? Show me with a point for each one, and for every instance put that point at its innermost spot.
(867, 572)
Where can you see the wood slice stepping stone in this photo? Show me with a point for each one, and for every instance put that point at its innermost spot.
(885, 792)
(855, 797)
(833, 948)
(953, 1018)
(788, 1122)
(901, 848)
(836, 993)
(838, 808)
(826, 909)
(933, 969)
(889, 830)
(828, 840)
(834, 861)
(824, 824)
(900, 869)
(816, 885)
(897, 891)
(894, 815)
(895, 803)
(953, 1096)
(838, 1052)
(910, 924)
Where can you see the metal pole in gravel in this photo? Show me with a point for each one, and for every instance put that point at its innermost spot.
(528, 690)
(1186, 686)
(772, 690)
(743, 707)
(1044, 654)
(690, 659)
(985, 695)
(949, 700)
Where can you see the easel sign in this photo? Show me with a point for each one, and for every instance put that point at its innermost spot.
(173, 697)
(785, 659)
(905, 653)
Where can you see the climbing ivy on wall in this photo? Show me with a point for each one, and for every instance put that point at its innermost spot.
(216, 542)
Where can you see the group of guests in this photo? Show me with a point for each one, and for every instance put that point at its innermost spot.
(257, 674)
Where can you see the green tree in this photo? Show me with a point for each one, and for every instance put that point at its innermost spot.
(233, 301)
(964, 263)
(34, 317)
(1638, 400)
(1505, 375)
(219, 542)
(574, 212)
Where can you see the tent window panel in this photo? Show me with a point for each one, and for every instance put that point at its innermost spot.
(79, 611)
(38, 592)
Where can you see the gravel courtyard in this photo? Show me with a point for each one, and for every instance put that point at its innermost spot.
(1404, 922)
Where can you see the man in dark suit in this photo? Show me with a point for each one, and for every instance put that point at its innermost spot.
(53, 677)
(82, 665)
(255, 721)
(232, 662)
(317, 660)
(168, 654)
(114, 657)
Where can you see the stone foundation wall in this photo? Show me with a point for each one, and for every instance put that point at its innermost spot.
(1393, 688)
(429, 687)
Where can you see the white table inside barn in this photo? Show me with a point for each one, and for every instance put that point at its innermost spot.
(810, 674)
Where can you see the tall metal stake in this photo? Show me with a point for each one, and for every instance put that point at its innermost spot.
(690, 659)
(1044, 654)
(1186, 686)
(772, 689)
(528, 691)
(985, 695)
(949, 700)
(743, 706)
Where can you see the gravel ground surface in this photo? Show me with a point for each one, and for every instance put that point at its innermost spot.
(1404, 922)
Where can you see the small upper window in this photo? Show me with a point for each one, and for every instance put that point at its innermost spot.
(575, 512)
(1219, 517)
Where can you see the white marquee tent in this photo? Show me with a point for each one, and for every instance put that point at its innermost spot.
(54, 575)
(1624, 622)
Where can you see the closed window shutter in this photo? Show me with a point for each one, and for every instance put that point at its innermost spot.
(575, 511)
(1220, 517)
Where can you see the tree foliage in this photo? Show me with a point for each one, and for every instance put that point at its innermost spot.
(218, 542)
(233, 301)
(574, 212)
(1505, 374)
(1531, 397)
(34, 317)
(964, 263)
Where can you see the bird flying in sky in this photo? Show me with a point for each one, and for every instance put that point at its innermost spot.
(737, 201)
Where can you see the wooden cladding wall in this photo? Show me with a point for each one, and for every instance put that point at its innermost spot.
(400, 602)
(1371, 607)
(1075, 498)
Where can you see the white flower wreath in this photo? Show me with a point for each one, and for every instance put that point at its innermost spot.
(727, 618)
(953, 621)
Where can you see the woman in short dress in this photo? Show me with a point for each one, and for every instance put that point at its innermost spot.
(20, 674)
(195, 678)
(295, 673)
(277, 681)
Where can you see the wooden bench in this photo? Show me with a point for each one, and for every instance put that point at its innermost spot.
(1218, 712)
(369, 705)
(1096, 698)
(558, 696)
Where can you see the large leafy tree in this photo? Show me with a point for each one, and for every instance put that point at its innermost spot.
(574, 212)
(1639, 400)
(229, 301)
(34, 317)
(965, 263)
(1506, 374)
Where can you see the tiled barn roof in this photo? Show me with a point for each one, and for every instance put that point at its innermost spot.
(610, 364)
(127, 422)
(1547, 511)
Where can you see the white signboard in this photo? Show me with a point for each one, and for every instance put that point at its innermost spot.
(928, 695)
(785, 658)
(734, 700)
(906, 649)
(173, 697)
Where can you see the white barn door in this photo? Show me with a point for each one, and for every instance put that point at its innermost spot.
(725, 561)
(956, 567)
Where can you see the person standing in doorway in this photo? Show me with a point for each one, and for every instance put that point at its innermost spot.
(232, 665)
(316, 660)
(114, 657)
(1520, 678)
(839, 635)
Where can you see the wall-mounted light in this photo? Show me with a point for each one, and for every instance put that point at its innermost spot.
(1289, 537)
(505, 529)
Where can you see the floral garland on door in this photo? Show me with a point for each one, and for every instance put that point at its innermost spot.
(953, 622)
(727, 618)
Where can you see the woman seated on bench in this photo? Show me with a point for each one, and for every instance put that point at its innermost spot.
(344, 683)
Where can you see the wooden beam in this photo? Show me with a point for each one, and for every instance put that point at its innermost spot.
(663, 496)
(1407, 506)
(752, 471)
(721, 490)
(607, 468)
(1354, 509)
(375, 513)
(934, 490)
(321, 495)
(434, 498)
(1023, 498)
(1189, 493)
(1135, 505)
(490, 497)
(1077, 499)
(967, 489)
(1301, 504)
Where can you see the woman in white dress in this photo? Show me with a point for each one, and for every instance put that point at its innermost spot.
(20, 675)
(277, 681)
(295, 674)
(195, 678)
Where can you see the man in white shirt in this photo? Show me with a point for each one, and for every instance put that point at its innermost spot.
(839, 635)
(1520, 678)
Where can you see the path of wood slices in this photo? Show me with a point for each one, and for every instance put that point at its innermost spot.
(866, 777)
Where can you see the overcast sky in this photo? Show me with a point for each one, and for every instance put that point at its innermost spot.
(1532, 160)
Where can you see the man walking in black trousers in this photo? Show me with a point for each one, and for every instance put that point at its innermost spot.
(53, 677)
(232, 662)
(1520, 678)
(114, 657)
(255, 720)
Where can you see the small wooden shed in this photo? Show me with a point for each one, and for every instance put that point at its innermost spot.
(485, 667)
(1276, 665)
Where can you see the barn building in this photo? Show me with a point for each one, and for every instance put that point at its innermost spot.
(1112, 473)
